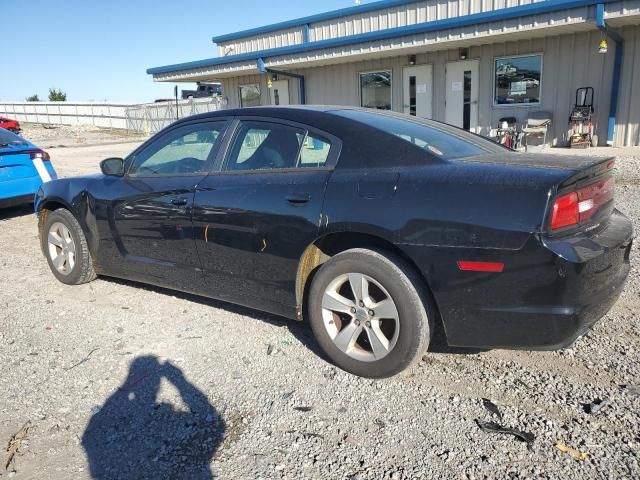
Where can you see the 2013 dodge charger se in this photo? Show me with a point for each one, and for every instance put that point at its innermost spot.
(376, 227)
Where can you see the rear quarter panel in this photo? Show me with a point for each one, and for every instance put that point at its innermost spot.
(441, 213)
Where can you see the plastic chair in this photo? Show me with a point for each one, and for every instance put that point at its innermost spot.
(538, 123)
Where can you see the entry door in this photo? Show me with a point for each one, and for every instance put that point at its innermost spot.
(462, 94)
(149, 209)
(280, 92)
(256, 217)
(418, 90)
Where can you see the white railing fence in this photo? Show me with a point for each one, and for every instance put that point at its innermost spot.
(104, 115)
(146, 118)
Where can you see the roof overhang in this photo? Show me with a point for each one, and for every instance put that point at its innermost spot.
(553, 17)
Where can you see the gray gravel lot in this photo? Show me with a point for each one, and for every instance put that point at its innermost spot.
(198, 386)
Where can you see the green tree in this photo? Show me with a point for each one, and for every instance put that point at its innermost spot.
(33, 98)
(57, 95)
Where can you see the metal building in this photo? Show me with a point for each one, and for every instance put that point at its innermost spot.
(466, 62)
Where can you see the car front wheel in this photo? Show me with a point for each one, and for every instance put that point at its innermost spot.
(368, 313)
(65, 247)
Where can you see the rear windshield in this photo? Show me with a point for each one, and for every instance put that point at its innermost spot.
(440, 140)
(10, 138)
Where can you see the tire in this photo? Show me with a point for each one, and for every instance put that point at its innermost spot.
(400, 341)
(78, 268)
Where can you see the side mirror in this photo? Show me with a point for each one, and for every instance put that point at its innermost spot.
(113, 167)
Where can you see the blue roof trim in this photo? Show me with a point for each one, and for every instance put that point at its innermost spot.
(320, 17)
(455, 22)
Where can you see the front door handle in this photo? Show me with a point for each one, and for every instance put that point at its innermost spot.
(298, 199)
(179, 202)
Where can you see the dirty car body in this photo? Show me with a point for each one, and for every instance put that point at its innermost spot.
(503, 262)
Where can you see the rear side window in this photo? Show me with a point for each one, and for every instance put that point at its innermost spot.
(315, 152)
(260, 145)
(265, 146)
(445, 143)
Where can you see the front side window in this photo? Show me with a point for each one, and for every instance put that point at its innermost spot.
(264, 146)
(375, 90)
(250, 95)
(518, 80)
(185, 150)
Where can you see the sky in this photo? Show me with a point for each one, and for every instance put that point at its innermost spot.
(96, 50)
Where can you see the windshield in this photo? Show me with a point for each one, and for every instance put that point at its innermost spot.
(441, 140)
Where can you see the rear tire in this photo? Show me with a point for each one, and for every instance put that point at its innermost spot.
(65, 247)
(343, 299)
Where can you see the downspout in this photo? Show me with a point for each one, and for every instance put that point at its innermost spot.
(303, 94)
(617, 69)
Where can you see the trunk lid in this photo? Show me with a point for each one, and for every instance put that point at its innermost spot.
(573, 163)
(584, 184)
(15, 158)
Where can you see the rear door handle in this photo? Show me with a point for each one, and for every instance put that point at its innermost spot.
(179, 202)
(298, 199)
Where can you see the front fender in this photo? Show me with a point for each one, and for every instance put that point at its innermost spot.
(73, 195)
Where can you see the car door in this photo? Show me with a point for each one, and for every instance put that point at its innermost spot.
(256, 215)
(149, 215)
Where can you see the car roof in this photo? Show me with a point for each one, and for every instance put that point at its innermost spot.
(311, 114)
(355, 127)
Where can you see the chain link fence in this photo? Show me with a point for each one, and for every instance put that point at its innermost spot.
(150, 118)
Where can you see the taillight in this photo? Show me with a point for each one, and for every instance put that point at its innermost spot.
(41, 154)
(565, 211)
(575, 207)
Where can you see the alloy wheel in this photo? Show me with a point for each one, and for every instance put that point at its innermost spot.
(360, 317)
(62, 248)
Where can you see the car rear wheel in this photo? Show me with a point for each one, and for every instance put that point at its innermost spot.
(368, 313)
(65, 247)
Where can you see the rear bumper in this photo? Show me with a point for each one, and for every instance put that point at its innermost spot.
(19, 187)
(553, 293)
(15, 201)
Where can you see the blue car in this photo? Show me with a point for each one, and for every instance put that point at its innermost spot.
(23, 169)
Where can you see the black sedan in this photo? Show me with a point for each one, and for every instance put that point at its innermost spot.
(377, 228)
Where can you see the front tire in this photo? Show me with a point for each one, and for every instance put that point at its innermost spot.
(66, 249)
(369, 314)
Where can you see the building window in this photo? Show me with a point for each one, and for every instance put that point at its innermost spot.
(518, 80)
(375, 90)
(250, 95)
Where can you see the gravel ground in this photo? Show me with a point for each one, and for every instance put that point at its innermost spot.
(198, 387)
(51, 136)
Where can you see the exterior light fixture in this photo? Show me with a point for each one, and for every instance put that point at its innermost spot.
(463, 53)
(603, 47)
(412, 59)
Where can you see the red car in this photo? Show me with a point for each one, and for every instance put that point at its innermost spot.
(11, 125)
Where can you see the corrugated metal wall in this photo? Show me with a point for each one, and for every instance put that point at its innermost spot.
(264, 41)
(569, 62)
(628, 117)
(231, 89)
(418, 12)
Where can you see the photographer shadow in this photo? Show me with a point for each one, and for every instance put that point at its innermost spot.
(133, 436)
